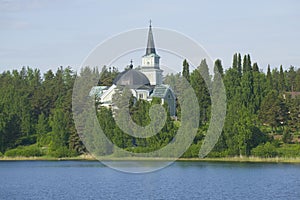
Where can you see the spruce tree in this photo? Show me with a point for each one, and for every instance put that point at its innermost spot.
(186, 70)
(281, 80)
(239, 65)
(269, 79)
(235, 62)
(255, 67)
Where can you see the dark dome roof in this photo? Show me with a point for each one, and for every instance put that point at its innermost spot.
(131, 78)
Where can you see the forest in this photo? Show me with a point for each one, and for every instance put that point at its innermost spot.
(262, 120)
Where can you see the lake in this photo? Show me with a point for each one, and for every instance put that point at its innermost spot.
(181, 180)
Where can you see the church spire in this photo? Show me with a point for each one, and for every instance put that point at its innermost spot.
(150, 45)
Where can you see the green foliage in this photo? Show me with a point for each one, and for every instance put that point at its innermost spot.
(192, 151)
(200, 82)
(26, 140)
(36, 109)
(107, 76)
(289, 150)
(28, 101)
(42, 126)
(218, 66)
(186, 70)
(61, 152)
(25, 151)
(267, 150)
(287, 137)
(45, 140)
(273, 111)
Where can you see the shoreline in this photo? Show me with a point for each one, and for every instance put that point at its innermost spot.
(223, 159)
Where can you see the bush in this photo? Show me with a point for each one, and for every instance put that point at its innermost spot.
(62, 152)
(289, 150)
(215, 154)
(26, 151)
(267, 150)
(287, 137)
(1, 154)
(45, 139)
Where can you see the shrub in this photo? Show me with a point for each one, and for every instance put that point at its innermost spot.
(267, 150)
(45, 139)
(215, 154)
(1, 154)
(289, 150)
(26, 151)
(62, 152)
(287, 137)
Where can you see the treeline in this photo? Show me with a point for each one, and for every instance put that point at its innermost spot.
(263, 112)
(36, 112)
(36, 115)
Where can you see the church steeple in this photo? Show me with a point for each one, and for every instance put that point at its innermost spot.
(150, 45)
(150, 61)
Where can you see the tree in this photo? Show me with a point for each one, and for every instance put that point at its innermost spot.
(291, 79)
(201, 90)
(259, 88)
(247, 90)
(235, 61)
(269, 79)
(293, 106)
(219, 67)
(255, 67)
(281, 84)
(246, 64)
(107, 75)
(186, 71)
(59, 124)
(273, 111)
(239, 65)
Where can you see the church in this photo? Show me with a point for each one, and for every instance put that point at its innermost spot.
(145, 83)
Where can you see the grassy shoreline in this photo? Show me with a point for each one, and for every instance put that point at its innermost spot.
(224, 159)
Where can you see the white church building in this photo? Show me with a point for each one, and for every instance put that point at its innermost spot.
(144, 83)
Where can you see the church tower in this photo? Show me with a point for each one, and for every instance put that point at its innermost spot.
(150, 62)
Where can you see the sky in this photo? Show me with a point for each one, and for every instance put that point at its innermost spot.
(46, 34)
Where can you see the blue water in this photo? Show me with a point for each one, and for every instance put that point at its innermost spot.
(182, 180)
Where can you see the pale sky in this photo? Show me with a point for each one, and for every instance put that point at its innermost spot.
(49, 33)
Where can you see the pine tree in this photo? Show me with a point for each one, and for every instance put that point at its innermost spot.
(281, 80)
(239, 65)
(186, 71)
(270, 109)
(269, 79)
(255, 67)
(201, 90)
(247, 64)
(291, 79)
(235, 61)
(219, 67)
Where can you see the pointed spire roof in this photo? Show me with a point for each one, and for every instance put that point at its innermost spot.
(150, 45)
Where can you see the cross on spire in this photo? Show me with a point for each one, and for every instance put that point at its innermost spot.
(131, 65)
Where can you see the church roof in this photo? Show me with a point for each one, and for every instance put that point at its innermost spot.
(150, 44)
(131, 78)
(160, 91)
(98, 90)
